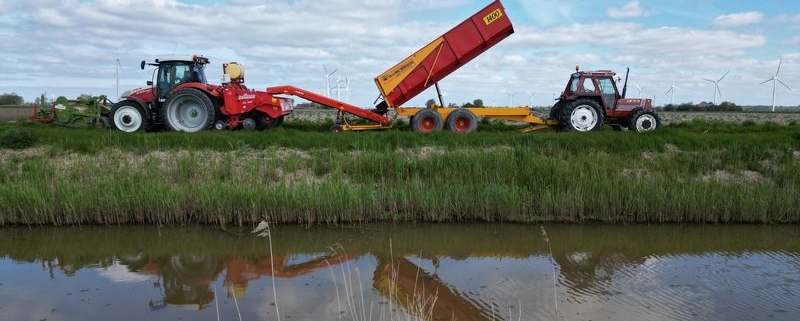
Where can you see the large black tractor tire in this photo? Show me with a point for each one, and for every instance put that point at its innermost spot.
(189, 110)
(426, 121)
(128, 116)
(644, 121)
(582, 115)
(461, 121)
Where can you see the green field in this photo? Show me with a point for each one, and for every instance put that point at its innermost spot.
(697, 171)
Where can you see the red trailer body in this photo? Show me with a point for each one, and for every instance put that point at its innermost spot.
(444, 55)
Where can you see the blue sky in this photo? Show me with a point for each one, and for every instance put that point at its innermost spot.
(71, 47)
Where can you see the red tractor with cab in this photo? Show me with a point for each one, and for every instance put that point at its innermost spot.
(592, 99)
(181, 99)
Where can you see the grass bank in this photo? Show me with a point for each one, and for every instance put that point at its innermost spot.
(690, 172)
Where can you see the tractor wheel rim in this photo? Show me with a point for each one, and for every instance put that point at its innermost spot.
(645, 123)
(462, 124)
(128, 119)
(187, 114)
(583, 118)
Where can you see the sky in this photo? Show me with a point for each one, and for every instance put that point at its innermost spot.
(73, 47)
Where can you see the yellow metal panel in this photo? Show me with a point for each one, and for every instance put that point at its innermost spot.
(389, 80)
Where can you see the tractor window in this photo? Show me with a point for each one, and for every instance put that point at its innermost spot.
(573, 84)
(607, 86)
(588, 86)
(609, 92)
(184, 74)
(200, 73)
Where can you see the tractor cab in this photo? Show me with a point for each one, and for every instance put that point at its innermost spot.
(599, 84)
(174, 71)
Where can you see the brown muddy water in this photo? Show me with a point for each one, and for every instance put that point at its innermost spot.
(406, 272)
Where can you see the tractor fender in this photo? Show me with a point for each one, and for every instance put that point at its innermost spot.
(207, 89)
(145, 106)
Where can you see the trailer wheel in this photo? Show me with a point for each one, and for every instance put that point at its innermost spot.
(426, 121)
(461, 121)
(644, 121)
(582, 115)
(128, 116)
(263, 121)
(189, 110)
(249, 124)
(220, 125)
(336, 128)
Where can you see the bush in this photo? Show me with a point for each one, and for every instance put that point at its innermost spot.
(17, 138)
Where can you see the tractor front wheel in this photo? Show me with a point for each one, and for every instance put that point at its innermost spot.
(189, 110)
(582, 115)
(128, 116)
(426, 121)
(644, 121)
(461, 121)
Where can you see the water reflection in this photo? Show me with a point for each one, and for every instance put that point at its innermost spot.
(439, 272)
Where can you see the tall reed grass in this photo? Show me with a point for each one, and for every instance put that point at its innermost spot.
(688, 173)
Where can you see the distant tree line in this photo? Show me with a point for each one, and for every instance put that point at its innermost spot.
(475, 103)
(11, 99)
(703, 106)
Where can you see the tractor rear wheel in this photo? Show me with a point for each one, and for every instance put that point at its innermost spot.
(582, 115)
(644, 121)
(426, 121)
(461, 121)
(128, 116)
(189, 110)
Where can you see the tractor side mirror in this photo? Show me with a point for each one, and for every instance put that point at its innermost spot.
(149, 82)
(142, 65)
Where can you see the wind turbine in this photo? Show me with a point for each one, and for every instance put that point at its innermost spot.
(671, 90)
(346, 89)
(775, 82)
(327, 80)
(716, 86)
(117, 77)
(640, 88)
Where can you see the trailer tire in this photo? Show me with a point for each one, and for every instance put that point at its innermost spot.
(189, 110)
(426, 121)
(461, 121)
(263, 121)
(582, 115)
(128, 116)
(644, 121)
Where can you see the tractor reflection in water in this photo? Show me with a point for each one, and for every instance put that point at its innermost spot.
(185, 278)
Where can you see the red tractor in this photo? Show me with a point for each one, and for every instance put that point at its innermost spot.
(182, 99)
(591, 99)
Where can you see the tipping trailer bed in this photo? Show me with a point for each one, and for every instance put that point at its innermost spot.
(444, 55)
(425, 68)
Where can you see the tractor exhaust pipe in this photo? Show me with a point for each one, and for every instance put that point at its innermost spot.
(625, 87)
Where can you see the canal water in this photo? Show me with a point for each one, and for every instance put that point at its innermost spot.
(402, 272)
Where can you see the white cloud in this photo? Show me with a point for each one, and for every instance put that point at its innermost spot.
(737, 19)
(631, 10)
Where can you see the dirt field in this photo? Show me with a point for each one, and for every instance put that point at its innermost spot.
(17, 113)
